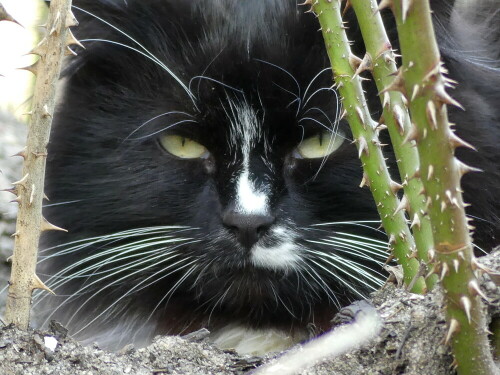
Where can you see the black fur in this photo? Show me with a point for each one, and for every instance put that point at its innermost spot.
(114, 176)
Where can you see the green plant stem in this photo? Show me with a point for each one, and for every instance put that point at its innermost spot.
(441, 172)
(380, 60)
(376, 174)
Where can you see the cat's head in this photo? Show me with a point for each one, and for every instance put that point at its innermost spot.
(199, 154)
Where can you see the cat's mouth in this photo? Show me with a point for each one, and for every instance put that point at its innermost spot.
(277, 250)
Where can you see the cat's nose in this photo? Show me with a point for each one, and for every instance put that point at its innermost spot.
(249, 228)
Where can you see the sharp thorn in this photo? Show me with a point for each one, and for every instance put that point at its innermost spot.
(443, 96)
(455, 142)
(71, 40)
(10, 190)
(5, 16)
(21, 153)
(466, 305)
(412, 134)
(398, 84)
(354, 61)
(343, 114)
(416, 90)
(45, 111)
(38, 284)
(33, 68)
(40, 49)
(365, 181)
(430, 172)
(445, 270)
(56, 26)
(384, 4)
(464, 168)
(32, 194)
(430, 111)
(405, 7)
(362, 147)
(17, 200)
(431, 255)
(366, 64)
(21, 181)
(359, 112)
(403, 204)
(69, 52)
(70, 19)
(456, 265)
(45, 226)
(386, 99)
(346, 7)
(395, 187)
(452, 330)
(415, 222)
(475, 290)
(399, 118)
(443, 206)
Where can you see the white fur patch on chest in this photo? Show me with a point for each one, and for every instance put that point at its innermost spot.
(250, 341)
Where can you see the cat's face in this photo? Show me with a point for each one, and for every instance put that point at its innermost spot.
(222, 171)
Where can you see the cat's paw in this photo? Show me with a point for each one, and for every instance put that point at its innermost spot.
(350, 313)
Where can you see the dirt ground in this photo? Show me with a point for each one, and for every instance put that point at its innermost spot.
(411, 340)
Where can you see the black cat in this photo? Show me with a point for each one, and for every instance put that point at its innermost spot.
(199, 163)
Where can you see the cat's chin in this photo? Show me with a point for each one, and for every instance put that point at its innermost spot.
(283, 257)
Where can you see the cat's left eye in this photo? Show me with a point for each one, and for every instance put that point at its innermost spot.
(182, 147)
(319, 145)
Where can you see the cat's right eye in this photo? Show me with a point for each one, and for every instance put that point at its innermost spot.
(182, 147)
(319, 146)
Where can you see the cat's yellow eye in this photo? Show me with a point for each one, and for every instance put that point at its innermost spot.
(182, 147)
(320, 145)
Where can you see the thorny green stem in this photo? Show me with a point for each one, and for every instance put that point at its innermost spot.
(380, 60)
(29, 189)
(365, 136)
(422, 79)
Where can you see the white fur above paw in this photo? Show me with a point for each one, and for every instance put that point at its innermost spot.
(249, 341)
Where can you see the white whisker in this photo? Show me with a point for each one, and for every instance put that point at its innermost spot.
(337, 277)
(165, 128)
(166, 297)
(130, 291)
(158, 61)
(329, 292)
(220, 300)
(344, 266)
(320, 90)
(284, 71)
(314, 78)
(61, 203)
(154, 118)
(216, 81)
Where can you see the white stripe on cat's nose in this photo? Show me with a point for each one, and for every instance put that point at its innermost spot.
(248, 199)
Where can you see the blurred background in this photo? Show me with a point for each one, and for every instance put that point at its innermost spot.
(15, 42)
